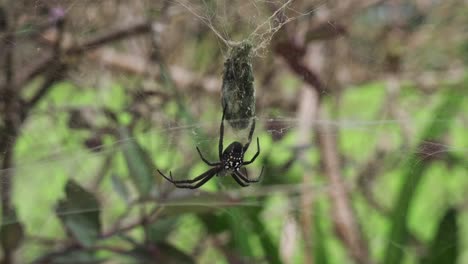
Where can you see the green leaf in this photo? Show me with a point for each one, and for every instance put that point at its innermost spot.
(140, 166)
(173, 255)
(269, 247)
(240, 233)
(444, 247)
(120, 188)
(159, 253)
(320, 247)
(160, 230)
(414, 170)
(233, 221)
(11, 232)
(214, 223)
(79, 213)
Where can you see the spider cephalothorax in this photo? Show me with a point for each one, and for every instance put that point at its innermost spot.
(231, 160)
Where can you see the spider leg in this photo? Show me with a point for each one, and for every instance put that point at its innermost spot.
(235, 177)
(256, 154)
(165, 177)
(246, 178)
(208, 175)
(252, 129)
(221, 132)
(205, 160)
(175, 182)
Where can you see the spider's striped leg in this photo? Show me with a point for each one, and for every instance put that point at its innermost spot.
(205, 160)
(208, 175)
(246, 178)
(165, 177)
(221, 133)
(234, 175)
(185, 181)
(256, 154)
(252, 129)
(188, 183)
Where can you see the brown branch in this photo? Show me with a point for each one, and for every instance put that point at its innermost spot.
(41, 65)
(15, 112)
(134, 64)
(96, 42)
(344, 217)
(48, 258)
(324, 31)
(293, 54)
(75, 245)
(56, 70)
(367, 174)
(307, 113)
(38, 67)
(148, 219)
(11, 124)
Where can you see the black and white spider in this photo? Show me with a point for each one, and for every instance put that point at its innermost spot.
(231, 160)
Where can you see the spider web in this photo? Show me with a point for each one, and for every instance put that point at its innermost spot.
(48, 152)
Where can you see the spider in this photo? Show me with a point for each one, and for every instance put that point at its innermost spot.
(231, 160)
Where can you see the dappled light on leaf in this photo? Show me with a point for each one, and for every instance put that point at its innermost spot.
(80, 213)
(140, 168)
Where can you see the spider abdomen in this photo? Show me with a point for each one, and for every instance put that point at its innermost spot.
(233, 156)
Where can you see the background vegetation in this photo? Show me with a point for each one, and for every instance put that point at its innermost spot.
(361, 114)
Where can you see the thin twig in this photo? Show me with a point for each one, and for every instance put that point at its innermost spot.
(150, 218)
(308, 104)
(343, 214)
(93, 43)
(74, 246)
(56, 73)
(293, 54)
(105, 168)
(98, 41)
(10, 133)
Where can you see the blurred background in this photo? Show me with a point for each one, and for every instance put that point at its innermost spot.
(360, 113)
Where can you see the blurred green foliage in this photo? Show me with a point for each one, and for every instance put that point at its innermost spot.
(237, 224)
(84, 159)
